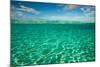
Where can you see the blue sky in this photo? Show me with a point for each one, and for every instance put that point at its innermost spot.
(51, 11)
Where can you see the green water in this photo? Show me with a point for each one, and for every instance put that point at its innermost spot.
(36, 44)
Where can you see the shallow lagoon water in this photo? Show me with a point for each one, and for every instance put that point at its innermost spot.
(36, 44)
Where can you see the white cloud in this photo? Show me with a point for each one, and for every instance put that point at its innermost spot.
(70, 7)
(73, 18)
(21, 12)
(92, 13)
(60, 5)
(85, 9)
(88, 11)
(16, 15)
(28, 9)
(25, 9)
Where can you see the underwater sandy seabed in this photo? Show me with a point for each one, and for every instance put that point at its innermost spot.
(37, 44)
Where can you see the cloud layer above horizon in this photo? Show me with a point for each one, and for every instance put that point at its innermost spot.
(21, 10)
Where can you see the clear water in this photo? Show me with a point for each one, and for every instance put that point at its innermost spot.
(36, 44)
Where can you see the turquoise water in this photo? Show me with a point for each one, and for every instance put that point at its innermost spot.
(36, 44)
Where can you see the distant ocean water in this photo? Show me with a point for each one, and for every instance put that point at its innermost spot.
(35, 44)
